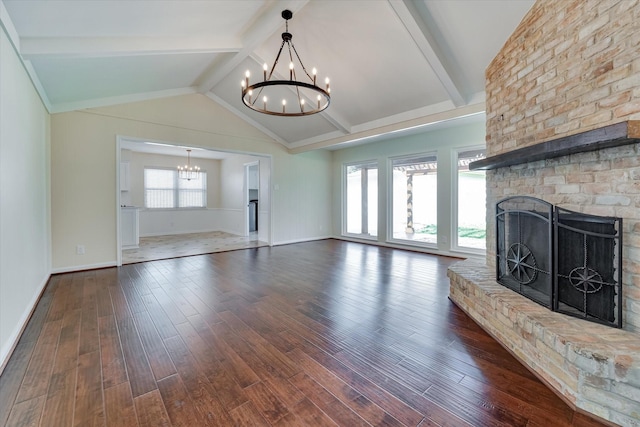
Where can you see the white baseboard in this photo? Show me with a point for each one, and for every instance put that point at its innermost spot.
(422, 249)
(10, 345)
(309, 239)
(84, 267)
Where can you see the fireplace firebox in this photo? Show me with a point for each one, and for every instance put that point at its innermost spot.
(567, 261)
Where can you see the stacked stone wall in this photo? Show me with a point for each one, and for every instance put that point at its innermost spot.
(570, 66)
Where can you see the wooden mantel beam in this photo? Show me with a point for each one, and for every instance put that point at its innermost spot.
(622, 133)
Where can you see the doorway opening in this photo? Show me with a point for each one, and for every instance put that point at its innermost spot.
(219, 225)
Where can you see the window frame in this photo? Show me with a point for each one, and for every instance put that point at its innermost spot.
(176, 190)
(345, 167)
(454, 245)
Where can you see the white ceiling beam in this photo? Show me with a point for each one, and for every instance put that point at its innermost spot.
(6, 24)
(368, 135)
(422, 36)
(102, 47)
(266, 25)
(336, 119)
(385, 122)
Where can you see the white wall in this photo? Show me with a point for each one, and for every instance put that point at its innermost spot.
(25, 247)
(163, 222)
(232, 193)
(303, 196)
(83, 168)
(441, 141)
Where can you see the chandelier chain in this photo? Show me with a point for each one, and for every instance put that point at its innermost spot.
(275, 62)
(290, 45)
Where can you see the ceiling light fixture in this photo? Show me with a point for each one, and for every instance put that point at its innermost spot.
(187, 171)
(308, 98)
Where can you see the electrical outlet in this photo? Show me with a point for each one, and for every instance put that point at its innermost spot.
(80, 250)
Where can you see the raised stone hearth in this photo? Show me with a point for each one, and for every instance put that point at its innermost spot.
(593, 367)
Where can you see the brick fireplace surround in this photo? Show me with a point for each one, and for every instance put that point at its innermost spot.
(571, 66)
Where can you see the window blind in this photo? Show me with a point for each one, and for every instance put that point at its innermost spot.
(164, 189)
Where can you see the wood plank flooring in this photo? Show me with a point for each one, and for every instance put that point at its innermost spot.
(313, 334)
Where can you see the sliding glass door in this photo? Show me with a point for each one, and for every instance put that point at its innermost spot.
(415, 196)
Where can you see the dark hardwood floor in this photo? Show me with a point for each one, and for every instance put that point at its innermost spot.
(320, 333)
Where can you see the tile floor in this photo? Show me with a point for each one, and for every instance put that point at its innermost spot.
(179, 245)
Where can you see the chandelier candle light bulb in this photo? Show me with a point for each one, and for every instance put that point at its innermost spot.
(274, 82)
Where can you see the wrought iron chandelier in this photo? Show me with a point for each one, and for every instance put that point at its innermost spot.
(187, 171)
(270, 95)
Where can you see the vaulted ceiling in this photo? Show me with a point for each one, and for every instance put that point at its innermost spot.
(394, 64)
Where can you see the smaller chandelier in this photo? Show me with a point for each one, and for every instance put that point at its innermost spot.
(187, 171)
(270, 95)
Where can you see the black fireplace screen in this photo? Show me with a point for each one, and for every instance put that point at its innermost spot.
(569, 262)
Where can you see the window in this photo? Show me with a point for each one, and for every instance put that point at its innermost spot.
(415, 196)
(163, 189)
(471, 201)
(361, 199)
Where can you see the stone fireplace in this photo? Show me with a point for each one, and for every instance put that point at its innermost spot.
(563, 125)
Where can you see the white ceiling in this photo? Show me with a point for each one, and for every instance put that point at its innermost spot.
(393, 64)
